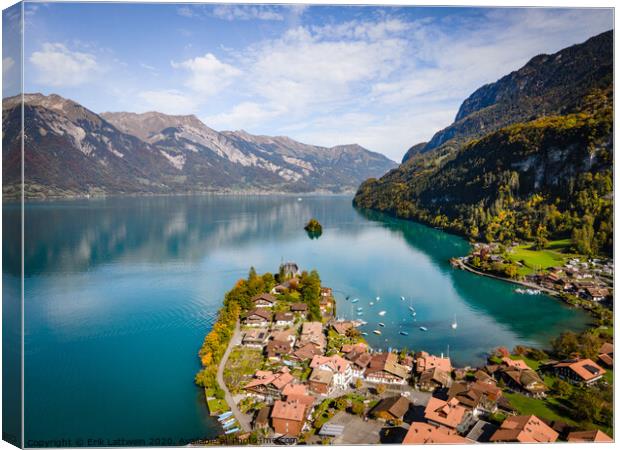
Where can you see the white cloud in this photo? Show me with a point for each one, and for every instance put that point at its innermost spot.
(243, 115)
(167, 101)
(247, 12)
(58, 66)
(208, 75)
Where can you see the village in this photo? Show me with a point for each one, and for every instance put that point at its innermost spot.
(288, 378)
(588, 279)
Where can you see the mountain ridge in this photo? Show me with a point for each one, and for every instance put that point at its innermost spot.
(73, 151)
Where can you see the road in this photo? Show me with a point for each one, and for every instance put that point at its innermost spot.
(243, 419)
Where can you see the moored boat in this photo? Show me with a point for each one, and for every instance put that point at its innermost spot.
(376, 331)
(382, 313)
(381, 324)
(423, 329)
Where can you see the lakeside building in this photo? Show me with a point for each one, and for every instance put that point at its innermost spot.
(268, 385)
(258, 317)
(579, 371)
(338, 366)
(479, 397)
(524, 381)
(384, 368)
(524, 429)
(263, 300)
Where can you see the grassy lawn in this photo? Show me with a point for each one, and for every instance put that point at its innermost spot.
(241, 365)
(549, 408)
(537, 259)
(215, 405)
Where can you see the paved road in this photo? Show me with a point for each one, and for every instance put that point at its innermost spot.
(243, 419)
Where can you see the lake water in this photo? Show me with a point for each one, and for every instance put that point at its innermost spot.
(120, 293)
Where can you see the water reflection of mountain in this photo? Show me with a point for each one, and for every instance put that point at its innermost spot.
(76, 235)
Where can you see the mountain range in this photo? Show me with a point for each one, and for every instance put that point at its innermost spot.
(529, 156)
(72, 151)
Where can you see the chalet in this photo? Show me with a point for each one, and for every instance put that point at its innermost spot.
(606, 354)
(256, 338)
(434, 378)
(525, 381)
(579, 371)
(277, 349)
(288, 335)
(284, 319)
(338, 366)
(525, 429)
(261, 420)
(288, 417)
(424, 433)
(299, 308)
(384, 368)
(588, 436)
(424, 362)
(286, 286)
(449, 414)
(320, 381)
(257, 318)
(480, 397)
(391, 408)
(307, 351)
(312, 333)
(342, 326)
(268, 385)
(596, 293)
(263, 301)
(359, 362)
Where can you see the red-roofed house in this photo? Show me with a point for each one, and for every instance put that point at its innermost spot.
(524, 429)
(449, 414)
(269, 385)
(340, 368)
(424, 362)
(582, 371)
(424, 433)
(588, 436)
(289, 417)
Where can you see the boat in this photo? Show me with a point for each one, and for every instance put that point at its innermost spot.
(229, 423)
(347, 297)
(402, 298)
(454, 324)
(224, 416)
(298, 199)
(382, 313)
(355, 300)
(423, 329)
(234, 430)
(371, 303)
(360, 308)
(411, 308)
(413, 314)
(364, 333)
(363, 322)
(404, 333)
(381, 324)
(376, 331)
(378, 298)
(360, 313)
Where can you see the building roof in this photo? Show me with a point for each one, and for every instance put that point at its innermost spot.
(334, 363)
(527, 379)
(449, 413)
(586, 369)
(321, 376)
(342, 327)
(425, 361)
(387, 362)
(331, 430)
(524, 429)
(264, 297)
(299, 307)
(284, 317)
(288, 410)
(275, 348)
(515, 363)
(266, 377)
(307, 351)
(436, 374)
(262, 416)
(260, 312)
(424, 433)
(395, 406)
(256, 334)
(606, 348)
(312, 328)
(482, 431)
(283, 335)
(588, 436)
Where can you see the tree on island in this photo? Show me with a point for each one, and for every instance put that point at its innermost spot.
(313, 228)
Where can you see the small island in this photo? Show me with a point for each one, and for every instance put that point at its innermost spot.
(314, 226)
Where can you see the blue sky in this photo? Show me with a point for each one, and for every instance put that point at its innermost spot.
(383, 77)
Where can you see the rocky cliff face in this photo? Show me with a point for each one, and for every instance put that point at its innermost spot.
(70, 150)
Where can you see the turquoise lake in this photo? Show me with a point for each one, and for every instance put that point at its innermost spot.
(119, 294)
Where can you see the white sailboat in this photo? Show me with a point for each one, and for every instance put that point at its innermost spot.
(454, 324)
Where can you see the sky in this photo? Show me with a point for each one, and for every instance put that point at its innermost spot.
(383, 77)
